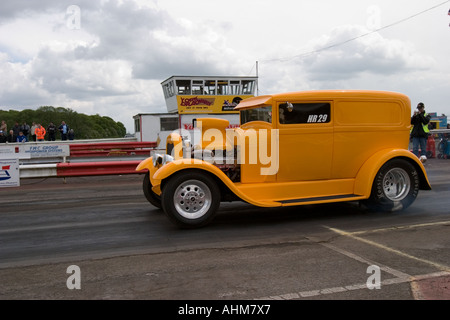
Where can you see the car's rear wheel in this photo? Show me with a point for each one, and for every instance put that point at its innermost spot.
(151, 197)
(190, 199)
(395, 186)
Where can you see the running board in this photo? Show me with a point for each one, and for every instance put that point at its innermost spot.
(347, 197)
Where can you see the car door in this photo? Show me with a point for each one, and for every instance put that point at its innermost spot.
(305, 140)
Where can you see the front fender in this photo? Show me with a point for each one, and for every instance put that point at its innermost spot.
(366, 175)
(147, 164)
(181, 164)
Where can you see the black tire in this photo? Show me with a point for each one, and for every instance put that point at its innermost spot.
(395, 187)
(190, 199)
(151, 197)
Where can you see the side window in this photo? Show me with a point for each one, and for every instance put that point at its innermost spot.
(263, 113)
(257, 114)
(299, 113)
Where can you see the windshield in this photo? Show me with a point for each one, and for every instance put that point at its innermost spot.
(263, 113)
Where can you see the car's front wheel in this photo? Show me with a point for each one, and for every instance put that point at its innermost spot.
(395, 187)
(190, 199)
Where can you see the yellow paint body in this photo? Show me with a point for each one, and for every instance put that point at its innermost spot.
(317, 162)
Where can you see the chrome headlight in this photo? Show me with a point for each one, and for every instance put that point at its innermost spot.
(159, 159)
(166, 159)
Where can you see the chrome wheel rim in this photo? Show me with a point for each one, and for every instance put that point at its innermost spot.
(192, 199)
(396, 184)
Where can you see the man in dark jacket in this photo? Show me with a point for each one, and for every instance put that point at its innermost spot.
(420, 131)
(11, 138)
(64, 129)
(16, 129)
(51, 129)
(2, 137)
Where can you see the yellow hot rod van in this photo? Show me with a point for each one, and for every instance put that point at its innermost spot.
(291, 149)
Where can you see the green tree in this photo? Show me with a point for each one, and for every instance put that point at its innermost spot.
(84, 126)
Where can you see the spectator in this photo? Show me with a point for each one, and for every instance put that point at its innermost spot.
(11, 138)
(21, 137)
(2, 137)
(16, 129)
(51, 130)
(71, 134)
(64, 129)
(33, 133)
(25, 128)
(419, 130)
(4, 127)
(40, 132)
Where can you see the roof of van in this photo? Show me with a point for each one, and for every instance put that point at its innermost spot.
(320, 95)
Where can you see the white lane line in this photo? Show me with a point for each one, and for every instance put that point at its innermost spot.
(387, 269)
(401, 277)
(400, 227)
(313, 293)
(389, 249)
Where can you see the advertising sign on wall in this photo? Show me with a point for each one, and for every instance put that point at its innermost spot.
(9, 173)
(46, 150)
(209, 104)
(34, 150)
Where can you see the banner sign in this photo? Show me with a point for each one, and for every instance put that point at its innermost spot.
(7, 152)
(46, 151)
(209, 104)
(34, 150)
(9, 173)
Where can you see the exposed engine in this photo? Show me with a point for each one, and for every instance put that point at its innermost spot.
(225, 160)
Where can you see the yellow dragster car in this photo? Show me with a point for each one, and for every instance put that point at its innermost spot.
(291, 149)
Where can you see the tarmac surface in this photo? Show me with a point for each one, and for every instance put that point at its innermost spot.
(125, 249)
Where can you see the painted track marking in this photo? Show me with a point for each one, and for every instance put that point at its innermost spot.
(401, 277)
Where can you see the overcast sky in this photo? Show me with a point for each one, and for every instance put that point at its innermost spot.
(110, 57)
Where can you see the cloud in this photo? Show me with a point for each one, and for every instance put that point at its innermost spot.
(371, 62)
(10, 10)
(63, 73)
(114, 62)
(371, 54)
(15, 85)
(156, 45)
(120, 50)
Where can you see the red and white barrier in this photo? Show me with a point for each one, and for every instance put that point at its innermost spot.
(100, 158)
(62, 170)
(107, 149)
(38, 170)
(96, 168)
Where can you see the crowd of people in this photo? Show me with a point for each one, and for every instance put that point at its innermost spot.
(35, 132)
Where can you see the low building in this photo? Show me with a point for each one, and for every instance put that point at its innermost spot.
(191, 97)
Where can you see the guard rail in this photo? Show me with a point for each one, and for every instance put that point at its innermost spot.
(108, 149)
(86, 158)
